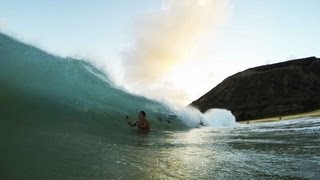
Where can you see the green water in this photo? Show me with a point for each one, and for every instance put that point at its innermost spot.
(62, 118)
(284, 150)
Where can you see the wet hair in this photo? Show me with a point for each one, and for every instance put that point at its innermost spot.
(144, 114)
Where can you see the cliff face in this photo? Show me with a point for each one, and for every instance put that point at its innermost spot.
(285, 88)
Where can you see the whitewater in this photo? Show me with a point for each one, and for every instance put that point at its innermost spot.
(62, 118)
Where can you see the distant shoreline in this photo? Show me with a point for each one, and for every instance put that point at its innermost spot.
(289, 87)
(315, 113)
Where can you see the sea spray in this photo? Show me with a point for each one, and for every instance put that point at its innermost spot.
(167, 38)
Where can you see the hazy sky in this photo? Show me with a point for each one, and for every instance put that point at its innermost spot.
(249, 33)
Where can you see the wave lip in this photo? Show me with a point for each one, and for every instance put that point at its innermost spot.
(44, 87)
(40, 87)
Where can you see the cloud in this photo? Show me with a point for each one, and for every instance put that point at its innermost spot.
(165, 38)
(1, 23)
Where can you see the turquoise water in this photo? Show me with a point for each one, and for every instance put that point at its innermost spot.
(62, 118)
(284, 150)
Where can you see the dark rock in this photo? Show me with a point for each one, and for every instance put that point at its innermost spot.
(285, 88)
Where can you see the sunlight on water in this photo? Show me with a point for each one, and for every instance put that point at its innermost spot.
(228, 153)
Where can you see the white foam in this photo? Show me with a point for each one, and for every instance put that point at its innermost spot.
(211, 118)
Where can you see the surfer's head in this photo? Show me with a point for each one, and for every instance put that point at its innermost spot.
(142, 115)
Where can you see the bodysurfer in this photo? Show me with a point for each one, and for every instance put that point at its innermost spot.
(143, 124)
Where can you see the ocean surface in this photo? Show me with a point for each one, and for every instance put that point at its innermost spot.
(62, 118)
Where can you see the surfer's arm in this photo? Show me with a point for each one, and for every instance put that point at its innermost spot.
(132, 124)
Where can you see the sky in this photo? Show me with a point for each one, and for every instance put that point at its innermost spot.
(171, 50)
